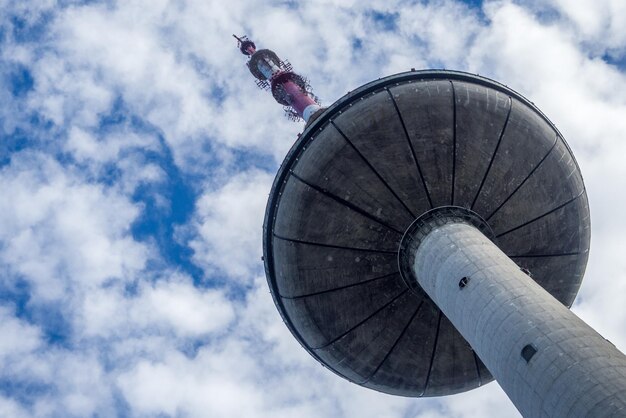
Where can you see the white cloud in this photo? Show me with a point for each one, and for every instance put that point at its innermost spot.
(446, 28)
(127, 50)
(86, 147)
(67, 95)
(210, 384)
(186, 309)
(123, 149)
(601, 23)
(170, 305)
(58, 231)
(19, 337)
(228, 225)
(11, 408)
(25, 359)
(83, 385)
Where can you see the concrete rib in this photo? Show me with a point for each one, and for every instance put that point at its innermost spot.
(495, 151)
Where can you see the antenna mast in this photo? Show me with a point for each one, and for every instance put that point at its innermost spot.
(288, 88)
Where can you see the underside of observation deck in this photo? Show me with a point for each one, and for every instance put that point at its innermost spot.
(371, 164)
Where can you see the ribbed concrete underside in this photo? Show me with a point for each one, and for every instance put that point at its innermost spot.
(364, 170)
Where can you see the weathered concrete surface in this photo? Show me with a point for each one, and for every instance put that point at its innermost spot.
(364, 170)
(482, 116)
(431, 135)
(575, 372)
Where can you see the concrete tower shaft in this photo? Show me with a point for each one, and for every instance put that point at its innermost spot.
(288, 88)
(548, 361)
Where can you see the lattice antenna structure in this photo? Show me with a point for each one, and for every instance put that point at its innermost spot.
(276, 75)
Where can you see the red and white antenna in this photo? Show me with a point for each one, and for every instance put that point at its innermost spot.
(288, 88)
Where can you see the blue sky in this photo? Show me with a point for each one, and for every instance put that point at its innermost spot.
(136, 155)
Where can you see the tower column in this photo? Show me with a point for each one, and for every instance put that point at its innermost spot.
(547, 360)
(300, 101)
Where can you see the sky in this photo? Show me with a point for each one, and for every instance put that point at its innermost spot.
(137, 154)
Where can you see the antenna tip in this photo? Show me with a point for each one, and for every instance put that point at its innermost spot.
(246, 46)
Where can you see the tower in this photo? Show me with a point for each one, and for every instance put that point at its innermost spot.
(427, 233)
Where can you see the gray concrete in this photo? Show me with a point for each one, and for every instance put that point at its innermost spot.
(575, 372)
(364, 170)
